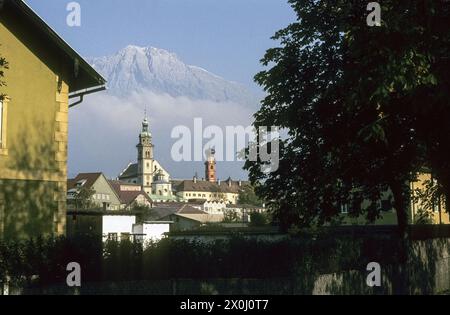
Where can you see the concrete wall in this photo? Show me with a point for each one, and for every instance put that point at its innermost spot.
(427, 272)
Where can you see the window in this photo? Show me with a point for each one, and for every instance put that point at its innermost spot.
(112, 237)
(344, 208)
(436, 205)
(436, 201)
(81, 183)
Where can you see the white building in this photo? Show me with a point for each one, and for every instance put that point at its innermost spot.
(145, 170)
(117, 227)
(214, 207)
(151, 231)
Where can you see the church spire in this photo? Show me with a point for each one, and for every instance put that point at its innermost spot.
(210, 165)
(145, 156)
(145, 124)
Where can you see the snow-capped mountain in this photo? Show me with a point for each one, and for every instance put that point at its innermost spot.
(136, 69)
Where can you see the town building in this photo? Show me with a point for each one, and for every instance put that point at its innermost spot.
(219, 191)
(190, 218)
(209, 189)
(108, 195)
(147, 172)
(118, 226)
(151, 231)
(130, 195)
(419, 211)
(44, 73)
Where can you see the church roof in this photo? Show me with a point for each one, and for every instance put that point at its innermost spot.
(117, 184)
(130, 171)
(228, 186)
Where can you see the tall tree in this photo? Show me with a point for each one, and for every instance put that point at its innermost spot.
(343, 91)
(247, 196)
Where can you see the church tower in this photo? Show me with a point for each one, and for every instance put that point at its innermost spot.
(210, 166)
(145, 158)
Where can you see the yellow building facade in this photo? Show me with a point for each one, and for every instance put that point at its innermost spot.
(44, 72)
(436, 212)
(420, 212)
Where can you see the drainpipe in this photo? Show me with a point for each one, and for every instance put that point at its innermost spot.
(82, 93)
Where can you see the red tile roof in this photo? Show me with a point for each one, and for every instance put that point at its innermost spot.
(90, 179)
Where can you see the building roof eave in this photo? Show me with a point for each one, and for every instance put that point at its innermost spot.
(90, 78)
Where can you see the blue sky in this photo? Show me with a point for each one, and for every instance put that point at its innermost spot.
(226, 37)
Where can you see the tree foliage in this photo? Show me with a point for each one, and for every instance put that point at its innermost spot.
(355, 102)
(247, 196)
(231, 216)
(258, 219)
(83, 198)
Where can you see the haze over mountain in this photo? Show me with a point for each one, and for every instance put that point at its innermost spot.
(173, 93)
(139, 69)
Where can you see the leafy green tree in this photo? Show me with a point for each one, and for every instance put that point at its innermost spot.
(343, 92)
(247, 196)
(83, 199)
(230, 216)
(140, 207)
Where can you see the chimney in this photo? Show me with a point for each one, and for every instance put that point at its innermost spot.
(218, 182)
(195, 179)
(240, 183)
